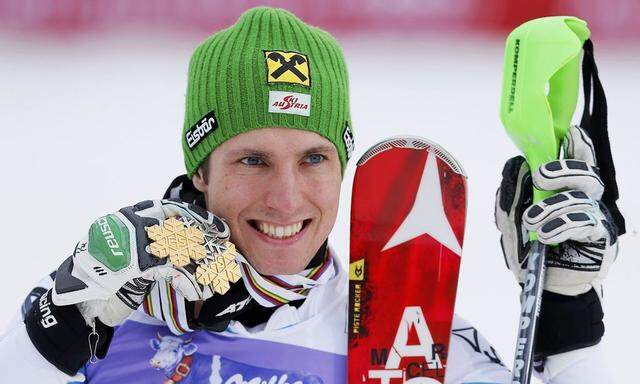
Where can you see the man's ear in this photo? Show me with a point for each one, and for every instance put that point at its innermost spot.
(199, 181)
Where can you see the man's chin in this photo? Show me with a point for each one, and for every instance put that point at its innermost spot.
(281, 263)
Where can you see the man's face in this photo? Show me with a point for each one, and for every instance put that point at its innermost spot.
(278, 189)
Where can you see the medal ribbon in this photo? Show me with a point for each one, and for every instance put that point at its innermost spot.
(276, 290)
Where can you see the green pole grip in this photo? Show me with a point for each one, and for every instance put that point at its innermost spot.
(540, 86)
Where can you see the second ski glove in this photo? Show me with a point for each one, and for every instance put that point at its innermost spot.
(582, 235)
(573, 218)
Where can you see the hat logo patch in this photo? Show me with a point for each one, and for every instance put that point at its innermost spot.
(287, 67)
(347, 138)
(201, 129)
(289, 102)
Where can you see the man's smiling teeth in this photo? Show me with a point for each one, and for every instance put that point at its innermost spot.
(279, 232)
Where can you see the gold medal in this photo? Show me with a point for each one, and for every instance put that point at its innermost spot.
(185, 242)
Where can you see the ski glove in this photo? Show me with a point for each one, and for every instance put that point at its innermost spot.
(574, 220)
(111, 269)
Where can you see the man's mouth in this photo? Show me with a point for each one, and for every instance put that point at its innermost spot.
(279, 231)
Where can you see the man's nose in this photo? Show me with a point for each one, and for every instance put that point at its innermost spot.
(285, 192)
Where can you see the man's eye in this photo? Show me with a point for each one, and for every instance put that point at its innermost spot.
(252, 160)
(315, 158)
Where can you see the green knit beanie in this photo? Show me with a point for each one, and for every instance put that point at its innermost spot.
(268, 70)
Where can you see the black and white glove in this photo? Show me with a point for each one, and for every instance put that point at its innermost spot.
(581, 234)
(107, 277)
(573, 219)
(111, 269)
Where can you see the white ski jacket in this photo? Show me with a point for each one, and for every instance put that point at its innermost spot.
(305, 345)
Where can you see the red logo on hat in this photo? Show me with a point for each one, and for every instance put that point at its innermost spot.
(290, 101)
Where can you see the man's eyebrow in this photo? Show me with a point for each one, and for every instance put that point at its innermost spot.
(248, 152)
(324, 149)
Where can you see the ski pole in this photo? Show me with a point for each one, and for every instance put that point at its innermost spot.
(539, 95)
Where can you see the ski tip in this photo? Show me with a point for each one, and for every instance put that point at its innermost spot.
(413, 142)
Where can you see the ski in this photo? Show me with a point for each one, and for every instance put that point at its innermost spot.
(407, 228)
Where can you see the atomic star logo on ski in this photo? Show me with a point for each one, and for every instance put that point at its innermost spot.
(407, 227)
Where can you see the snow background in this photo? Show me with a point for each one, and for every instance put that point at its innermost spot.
(90, 124)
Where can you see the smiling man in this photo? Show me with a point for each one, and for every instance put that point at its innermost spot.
(267, 136)
(278, 193)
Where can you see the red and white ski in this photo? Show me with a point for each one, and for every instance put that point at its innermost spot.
(407, 227)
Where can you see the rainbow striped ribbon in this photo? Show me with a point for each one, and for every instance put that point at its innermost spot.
(167, 305)
(276, 290)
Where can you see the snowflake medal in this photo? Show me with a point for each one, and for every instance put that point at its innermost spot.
(188, 243)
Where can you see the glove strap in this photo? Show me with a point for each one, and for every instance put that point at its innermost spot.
(568, 323)
(594, 121)
(61, 335)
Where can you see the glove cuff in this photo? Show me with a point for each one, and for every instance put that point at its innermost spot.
(60, 334)
(568, 323)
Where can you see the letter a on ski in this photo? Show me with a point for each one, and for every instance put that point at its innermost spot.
(407, 228)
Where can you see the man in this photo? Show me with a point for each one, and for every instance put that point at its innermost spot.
(265, 144)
